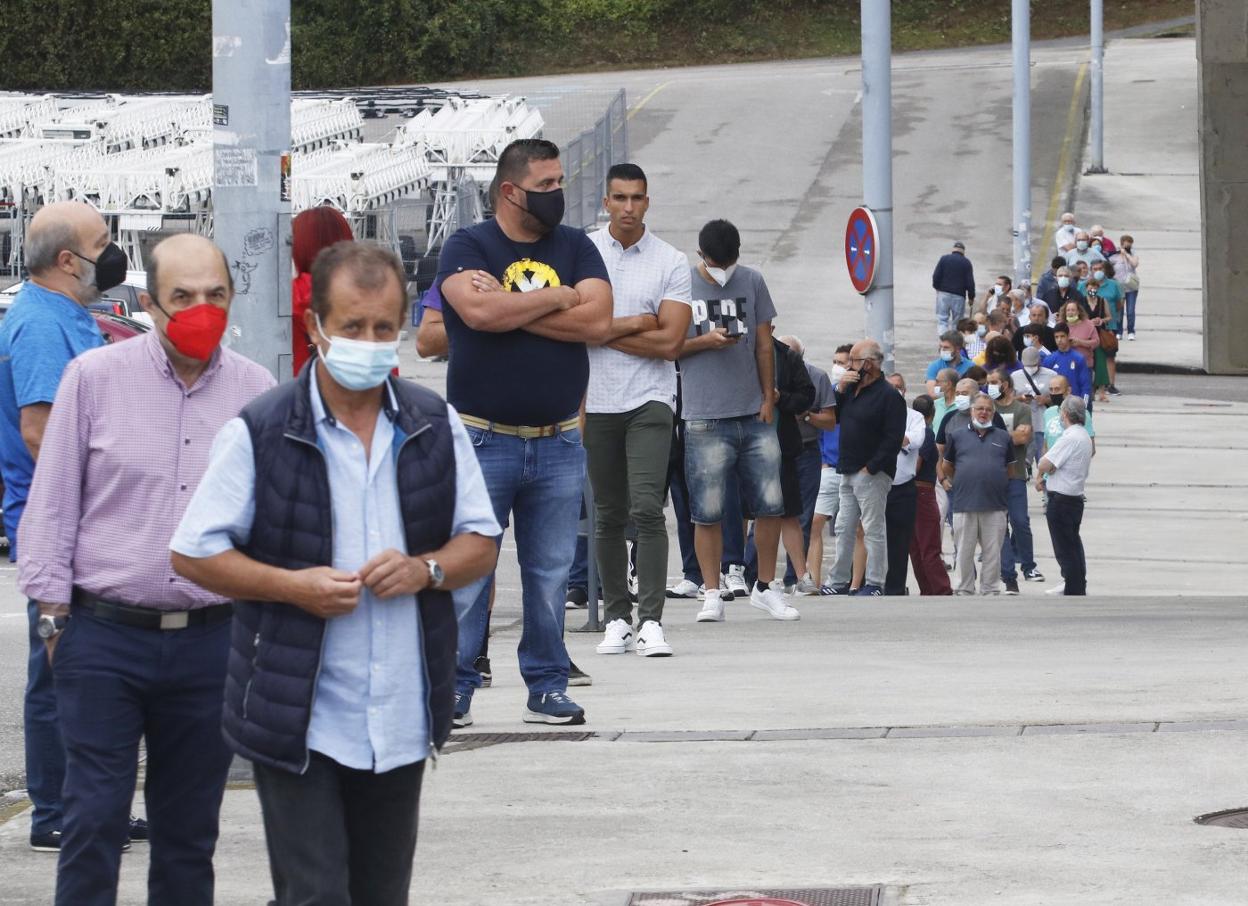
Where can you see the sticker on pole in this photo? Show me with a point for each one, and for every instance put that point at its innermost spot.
(861, 244)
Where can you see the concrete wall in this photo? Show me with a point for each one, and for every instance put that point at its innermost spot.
(1222, 51)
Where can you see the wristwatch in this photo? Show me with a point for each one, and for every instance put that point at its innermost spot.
(436, 576)
(49, 627)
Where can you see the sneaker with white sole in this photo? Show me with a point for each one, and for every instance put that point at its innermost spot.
(576, 598)
(461, 716)
(616, 638)
(772, 603)
(806, 586)
(651, 641)
(1058, 589)
(712, 607)
(1033, 575)
(1131, 337)
(682, 589)
(735, 583)
(553, 708)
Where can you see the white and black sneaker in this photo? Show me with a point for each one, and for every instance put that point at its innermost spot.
(651, 641)
(616, 638)
(734, 584)
(682, 589)
(577, 598)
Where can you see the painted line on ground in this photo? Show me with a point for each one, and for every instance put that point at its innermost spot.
(1063, 160)
(646, 100)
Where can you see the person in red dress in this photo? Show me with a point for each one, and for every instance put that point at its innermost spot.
(311, 231)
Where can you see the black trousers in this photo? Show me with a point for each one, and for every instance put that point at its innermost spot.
(899, 515)
(338, 836)
(1064, 514)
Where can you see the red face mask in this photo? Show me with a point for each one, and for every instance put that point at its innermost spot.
(196, 331)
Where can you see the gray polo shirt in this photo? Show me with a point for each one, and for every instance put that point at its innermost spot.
(825, 396)
(981, 482)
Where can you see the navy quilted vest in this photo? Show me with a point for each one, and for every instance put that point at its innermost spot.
(275, 649)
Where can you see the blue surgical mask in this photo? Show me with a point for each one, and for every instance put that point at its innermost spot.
(1063, 282)
(946, 355)
(962, 403)
(358, 364)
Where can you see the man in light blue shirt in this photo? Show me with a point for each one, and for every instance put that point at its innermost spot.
(339, 511)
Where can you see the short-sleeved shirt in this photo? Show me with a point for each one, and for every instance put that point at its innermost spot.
(516, 377)
(830, 446)
(955, 420)
(723, 383)
(42, 332)
(1072, 457)
(980, 482)
(1053, 425)
(642, 276)
(962, 366)
(825, 397)
(1014, 414)
(1023, 387)
(432, 299)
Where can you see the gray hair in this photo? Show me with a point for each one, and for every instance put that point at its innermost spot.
(1076, 410)
(794, 343)
(983, 396)
(875, 351)
(948, 374)
(45, 244)
(1044, 308)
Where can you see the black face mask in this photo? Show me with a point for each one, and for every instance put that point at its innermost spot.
(110, 267)
(547, 207)
(1057, 398)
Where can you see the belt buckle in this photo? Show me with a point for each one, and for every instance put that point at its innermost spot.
(178, 619)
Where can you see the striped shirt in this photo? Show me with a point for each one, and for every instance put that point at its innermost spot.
(124, 450)
(642, 276)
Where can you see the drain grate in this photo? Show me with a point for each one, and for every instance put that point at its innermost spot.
(794, 896)
(465, 742)
(1231, 817)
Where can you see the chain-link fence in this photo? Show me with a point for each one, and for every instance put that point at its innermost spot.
(588, 157)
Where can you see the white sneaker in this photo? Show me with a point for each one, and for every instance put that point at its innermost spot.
(1059, 588)
(1130, 336)
(772, 603)
(616, 638)
(650, 641)
(682, 589)
(735, 582)
(712, 608)
(806, 586)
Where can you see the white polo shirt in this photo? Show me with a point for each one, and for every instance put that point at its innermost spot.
(1072, 457)
(642, 276)
(908, 456)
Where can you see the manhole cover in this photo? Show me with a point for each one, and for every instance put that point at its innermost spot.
(462, 742)
(798, 896)
(1231, 817)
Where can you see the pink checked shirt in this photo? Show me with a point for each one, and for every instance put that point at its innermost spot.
(125, 447)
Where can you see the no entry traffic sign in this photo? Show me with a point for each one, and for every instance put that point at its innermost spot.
(861, 243)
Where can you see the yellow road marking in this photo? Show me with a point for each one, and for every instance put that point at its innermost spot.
(1063, 163)
(646, 99)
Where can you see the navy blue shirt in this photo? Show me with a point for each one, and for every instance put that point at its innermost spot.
(927, 456)
(516, 377)
(41, 333)
(954, 275)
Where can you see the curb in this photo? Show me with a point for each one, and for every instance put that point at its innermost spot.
(1158, 368)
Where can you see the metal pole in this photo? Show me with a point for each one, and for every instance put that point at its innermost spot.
(251, 179)
(1096, 149)
(1021, 32)
(877, 164)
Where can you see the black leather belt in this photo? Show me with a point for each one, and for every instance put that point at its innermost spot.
(149, 617)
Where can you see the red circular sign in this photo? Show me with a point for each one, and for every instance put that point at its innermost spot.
(861, 244)
(757, 901)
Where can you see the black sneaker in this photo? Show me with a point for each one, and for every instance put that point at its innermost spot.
(839, 589)
(1033, 575)
(51, 841)
(577, 676)
(138, 829)
(1011, 586)
(1114, 391)
(482, 666)
(869, 591)
(577, 598)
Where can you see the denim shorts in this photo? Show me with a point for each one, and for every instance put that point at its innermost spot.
(721, 450)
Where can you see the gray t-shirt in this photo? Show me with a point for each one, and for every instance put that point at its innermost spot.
(825, 396)
(723, 383)
(980, 482)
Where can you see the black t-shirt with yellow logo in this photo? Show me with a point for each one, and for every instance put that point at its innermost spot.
(517, 377)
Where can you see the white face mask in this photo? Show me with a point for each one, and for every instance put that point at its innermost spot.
(994, 391)
(982, 426)
(721, 275)
(997, 289)
(358, 364)
(838, 372)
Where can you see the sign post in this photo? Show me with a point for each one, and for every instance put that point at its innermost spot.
(877, 165)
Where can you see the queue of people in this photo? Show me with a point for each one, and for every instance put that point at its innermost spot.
(311, 580)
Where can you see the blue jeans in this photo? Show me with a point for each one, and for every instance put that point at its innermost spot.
(540, 481)
(1129, 298)
(1017, 546)
(734, 542)
(717, 451)
(45, 752)
(116, 685)
(949, 309)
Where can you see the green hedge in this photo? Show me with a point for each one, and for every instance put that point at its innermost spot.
(166, 44)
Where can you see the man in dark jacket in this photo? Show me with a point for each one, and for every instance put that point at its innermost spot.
(954, 282)
(338, 511)
(872, 418)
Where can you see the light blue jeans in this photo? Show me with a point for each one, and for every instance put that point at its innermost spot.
(949, 310)
(539, 482)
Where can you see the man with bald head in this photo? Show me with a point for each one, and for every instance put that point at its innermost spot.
(136, 650)
(872, 417)
(71, 261)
